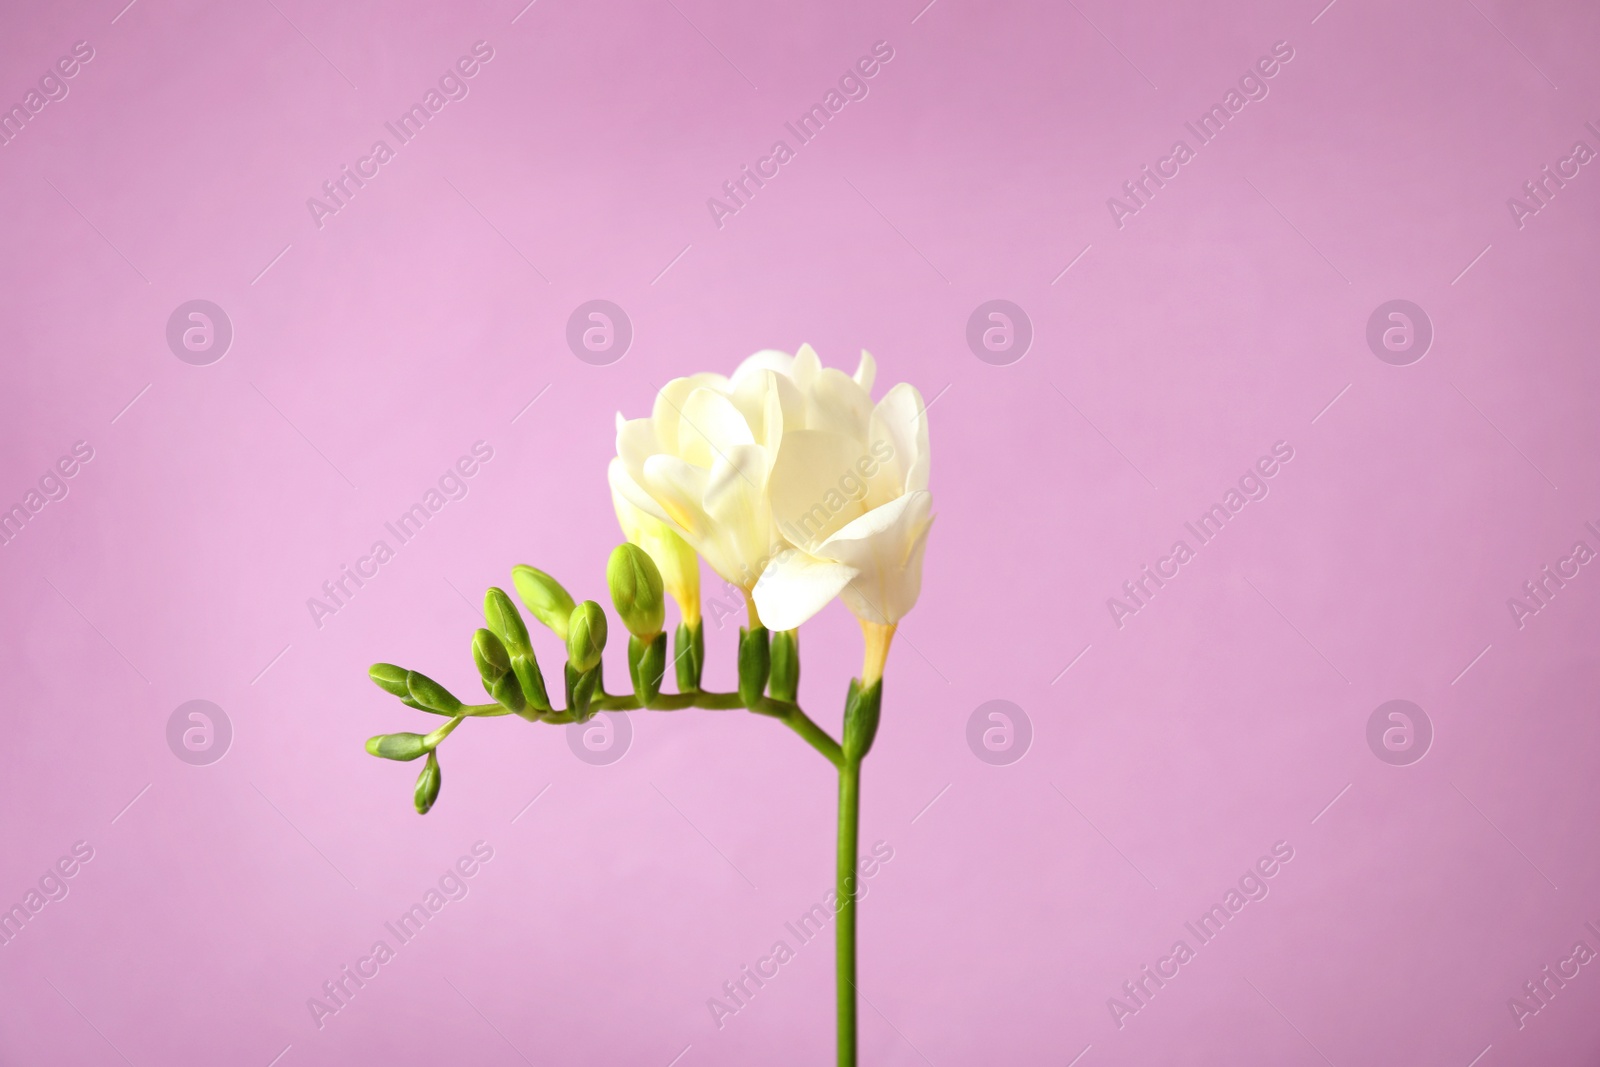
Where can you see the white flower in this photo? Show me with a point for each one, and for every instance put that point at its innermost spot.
(789, 482)
(850, 495)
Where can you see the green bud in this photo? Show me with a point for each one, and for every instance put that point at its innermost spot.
(427, 785)
(861, 709)
(785, 682)
(430, 694)
(543, 595)
(689, 655)
(755, 663)
(397, 746)
(530, 680)
(636, 590)
(390, 679)
(504, 619)
(586, 635)
(493, 661)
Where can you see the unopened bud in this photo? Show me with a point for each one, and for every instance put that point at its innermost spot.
(543, 595)
(397, 746)
(504, 620)
(636, 590)
(586, 636)
(430, 694)
(427, 790)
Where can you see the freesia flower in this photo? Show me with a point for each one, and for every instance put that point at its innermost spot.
(850, 496)
(679, 566)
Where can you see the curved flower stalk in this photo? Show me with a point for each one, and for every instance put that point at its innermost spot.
(795, 488)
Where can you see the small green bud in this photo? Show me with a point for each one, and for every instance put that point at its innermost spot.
(785, 681)
(689, 655)
(504, 619)
(493, 661)
(530, 680)
(543, 595)
(427, 784)
(389, 678)
(397, 746)
(430, 694)
(861, 708)
(586, 635)
(755, 662)
(636, 590)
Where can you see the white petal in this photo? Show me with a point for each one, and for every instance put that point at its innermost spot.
(838, 404)
(636, 442)
(900, 419)
(816, 486)
(885, 546)
(668, 408)
(766, 359)
(866, 371)
(711, 425)
(796, 586)
(806, 366)
(678, 489)
(736, 501)
(889, 598)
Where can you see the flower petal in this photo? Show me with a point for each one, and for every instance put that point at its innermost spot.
(812, 482)
(866, 371)
(710, 426)
(795, 586)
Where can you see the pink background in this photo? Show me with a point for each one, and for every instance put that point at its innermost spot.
(423, 317)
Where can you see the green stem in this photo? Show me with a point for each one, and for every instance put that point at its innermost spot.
(845, 925)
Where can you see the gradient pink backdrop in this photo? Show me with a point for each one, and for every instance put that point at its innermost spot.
(425, 316)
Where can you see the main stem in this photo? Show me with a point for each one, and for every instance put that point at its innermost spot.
(845, 887)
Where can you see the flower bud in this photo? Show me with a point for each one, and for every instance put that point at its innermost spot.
(586, 636)
(504, 619)
(689, 655)
(389, 678)
(397, 746)
(543, 595)
(427, 790)
(755, 663)
(647, 665)
(430, 694)
(493, 661)
(785, 683)
(861, 709)
(636, 590)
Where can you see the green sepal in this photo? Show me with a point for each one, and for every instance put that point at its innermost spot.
(507, 692)
(755, 664)
(861, 708)
(581, 687)
(397, 746)
(490, 654)
(502, 617)
(647, 666)
(784, 683)
(431, 695)
(531, 681)
(689, 655)
(427, 790)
